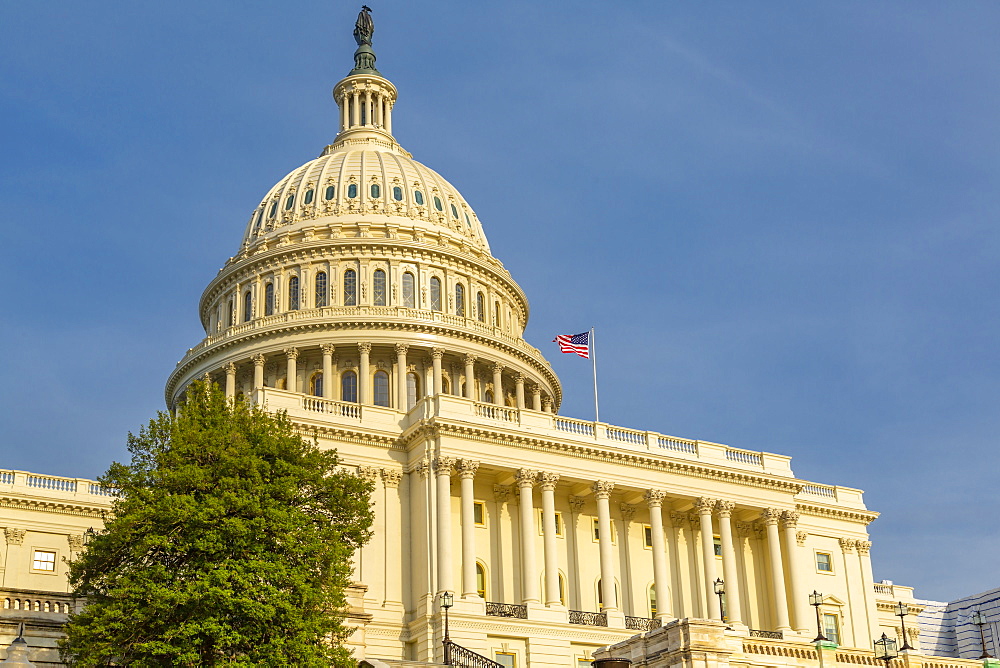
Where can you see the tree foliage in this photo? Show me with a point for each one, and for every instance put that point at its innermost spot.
(229, 543)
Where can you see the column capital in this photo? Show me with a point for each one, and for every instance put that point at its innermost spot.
(423, 467)
(328, 348)
(535, 389)
(364, 348)
(258, 359)
(678, 519)
(627, 511)
(546, 403)
(230, 368)
(14, 536)
(519, 378)
(501, 493)
(724, 508)
(467, 468)
(547, 481)
(705, 505)
(576, 503)
(470, 359)
(848, 545)
(292, 353)
(437, 353)
(443, 465)
(603, 488)
(525, 477)
(369, 473)
(744, 528)
(790, 518)
(75, 541)
(391, 477)
(800, 538)
(770, 516)
(864, 546)
(497, 367)
(654, 497)
(401, 348)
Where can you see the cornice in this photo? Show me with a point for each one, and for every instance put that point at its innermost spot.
(56, 507)
(865, 517)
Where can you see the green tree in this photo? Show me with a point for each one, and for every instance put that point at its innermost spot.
(229, 543)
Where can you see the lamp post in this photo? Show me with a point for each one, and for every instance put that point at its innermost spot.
(447, 600)
(720, 590)
(816, 600)
(885, 650)
(902, 610)
(979, 620)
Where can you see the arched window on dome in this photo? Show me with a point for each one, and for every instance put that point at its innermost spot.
(269, 299)
(230, 319)
(435, 293)
(496, 314)
(412, 390)
(274, 209)
(418, 197)
(352, 190)
(460, 300)
(289, 201)
(454, 212)
(260, 215)
(375, 190)
(293, 293)
(350, 288)
(397, 193)
(468, 222)
(437, 203)
(378, 288)
(308, 198)
(409, 290)
(316, 384)
(481, 307)
(321, 289)
(349, 387)
(330, 192)
(381, 387)
(247, 306)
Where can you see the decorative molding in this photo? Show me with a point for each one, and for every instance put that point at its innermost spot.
(576, 504)
(75, 541)
(525, 477)
(328, 348)
(770, 516)
(547, 481)
(501, 493)
(603, 488)
(627, 511)
(291, 353)
(14, 536)
(467, 468)
(864, 546)
(443, 465)
(724, 508)
(705, 505)
(800, 537)
(790, 519)
(654, 497)
(369, 473)
(847, 544)
(391, 477)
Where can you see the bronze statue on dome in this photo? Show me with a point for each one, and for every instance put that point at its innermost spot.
(364, 27)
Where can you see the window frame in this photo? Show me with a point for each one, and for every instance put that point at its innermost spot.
(293, 293)
(383, 375)
(836, 635)
(435, 293)
(647, 536)
(269, 298)
(829, 561)
(322, 291)
(485, 518)
(408, 283)
(597, 531)
(34, 560)
(349, 373)
(380, 288)
(248, 306)
(350, 284)
(460, 300)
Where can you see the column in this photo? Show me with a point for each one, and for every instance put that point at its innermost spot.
(343, 112)
(547, 405)
(436, 355)
(602, 490)
(356, 107)
(470, 378)
(548, 484)
(364, 350)
(291, 374)
(388, 116)
(393, 527)
(729, 571)
(799, 598)
(442, 468)
(536, 398)
(867, 578)
(230, 380)
(529, 572)
(519, 389)
(498, 383)
(705, 506)
(654, 499)
(368, 108)
(467, 470)
(327, 349)
(401, 349)
(258, 371)
(770, 517)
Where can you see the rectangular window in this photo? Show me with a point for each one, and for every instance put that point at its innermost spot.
(824, 562)
(559, 524)
(717, 544)
(44, 561)
(597, 532)
(583, 663)
(541, 524)
(647, 536)
(506, 659)
(479, 513)
(831, 628)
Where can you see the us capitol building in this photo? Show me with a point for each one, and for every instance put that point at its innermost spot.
(365, 302)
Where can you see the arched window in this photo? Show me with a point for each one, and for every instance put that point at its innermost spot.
(435, 293)
(481, 307)
(381, 386)
(480, 580)
(488, 396)
(418, 197)
(330, 192)
(229, 318)
(562, 589)
(468, 222)
(293, 293)
(274, 209)
(247, 306)
(460, 300)
(352, 190)
(397, 193)
(308, 199)
(496, 314)
(269, 299)
(409, 291)
(321, 291)
(350, 288)
(378, 288)
(412, 390)
(375, 190)
(600, 594)
(445, 385)
(437, 203)
(349, 387)
(316, 384)
(289, 202)
(652, 601)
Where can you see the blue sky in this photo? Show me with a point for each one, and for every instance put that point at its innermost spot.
(780, 217)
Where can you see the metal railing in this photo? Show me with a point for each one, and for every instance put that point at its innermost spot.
(507, 610)
(588, 618)
(456, 655)
(774, 635)
(641, 623)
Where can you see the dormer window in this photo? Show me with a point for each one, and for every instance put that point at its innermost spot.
(308, 197)
(274, 210)
(289, 202)
(418, 197)
(330, 192)
(454, 212)
(352, 190)
(437, 203)
(375, 190)
(397, 194)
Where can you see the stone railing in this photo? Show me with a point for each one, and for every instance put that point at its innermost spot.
(494, 412)
(34, 483)
(588, 618)
(338, 408)
(882, 588)
(36, 602)
(641, 623)
(507, 610)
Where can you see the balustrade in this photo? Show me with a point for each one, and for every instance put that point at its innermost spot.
(337, 408)
(745, 457)
(820, 490)
(495, 412)
(507, 610)
(49, 482)
(774, 635)
(575, 426)
(626, 435)
(677, 445)
(588, 618)
(641, 623)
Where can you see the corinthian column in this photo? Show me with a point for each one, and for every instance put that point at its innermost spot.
(258, 371)
(705, 507)
(654, 499)
(602, 491)
(401, 349)
(436, 355)
(529, 583)
(799, 598)
(770, 516)
(498, 383)
(730, 574)
(231, 380)
(443, 470)
(467, 470)
(548, 484)
(519, 389)
(328, 350)
(291, 374)
(536, 398)
(364, 349)
(470, 378)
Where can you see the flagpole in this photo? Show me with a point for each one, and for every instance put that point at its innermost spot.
(593, 357)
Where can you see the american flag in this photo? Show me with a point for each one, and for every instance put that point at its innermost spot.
(574, 343)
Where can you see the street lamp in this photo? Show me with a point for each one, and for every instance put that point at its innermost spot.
(816, 600)
(885, 650)
(720, 591)
(979, 620)
(447, 600)
(902, 610)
